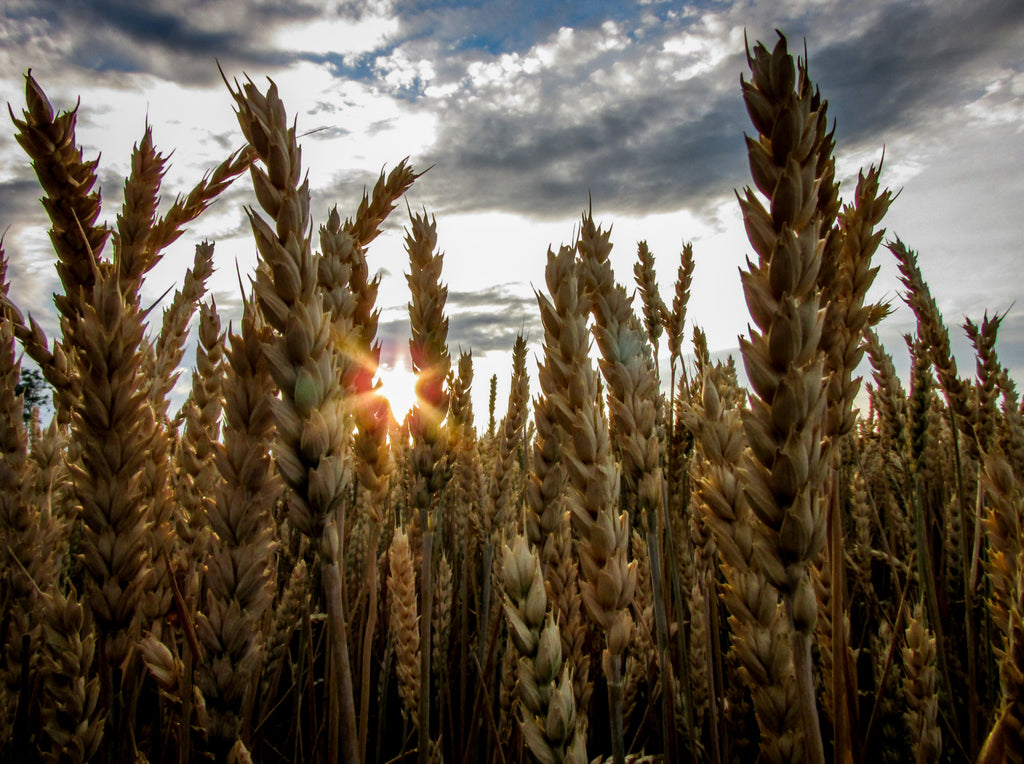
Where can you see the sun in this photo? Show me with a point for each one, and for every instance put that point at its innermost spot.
(398, 385)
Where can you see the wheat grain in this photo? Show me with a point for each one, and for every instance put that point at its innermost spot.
(72, 720)
(404, 623)
(71, 203)
(548, 719)
(920, 690)
(654, 308)
(759, 637)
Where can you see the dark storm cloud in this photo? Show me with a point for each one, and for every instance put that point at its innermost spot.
(19, 202)
(914, 60)
(178, 41)
(641, 155)
(167, 29)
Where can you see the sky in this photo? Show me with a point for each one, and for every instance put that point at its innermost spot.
(528, 112)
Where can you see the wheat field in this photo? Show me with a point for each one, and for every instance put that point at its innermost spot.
(620, 567)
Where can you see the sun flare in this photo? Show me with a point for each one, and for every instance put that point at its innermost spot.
(398, 385)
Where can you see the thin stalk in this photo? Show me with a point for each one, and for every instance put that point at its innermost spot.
(972, 649)
(926, 573)
(682, 640)
(485, 594)
(371, 625)
(303, 679)
(493, 727)
(341, 668)
(614, 666)
(814, 749)
(900, 609)
(661, 629)
(184, 731)
(385, 678)
(463, 650)
(427, 614)
(714, 677)
(961, 491)
(482, 673)
(842, 734)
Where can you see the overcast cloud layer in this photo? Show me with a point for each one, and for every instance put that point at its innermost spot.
(525, 111)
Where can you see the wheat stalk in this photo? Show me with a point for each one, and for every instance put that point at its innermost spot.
(758, 624)
(601, 534)
(920, 690)
(313, 425)
(545, 690)
(404, 624)
(238, 588)
(72, 719)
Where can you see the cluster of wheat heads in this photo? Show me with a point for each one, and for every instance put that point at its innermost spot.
(280, 571)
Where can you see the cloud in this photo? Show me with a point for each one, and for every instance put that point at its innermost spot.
(645, 112)
(485, 321)
(582, 112)
(175, 40)
(915, 61)
(18, 200)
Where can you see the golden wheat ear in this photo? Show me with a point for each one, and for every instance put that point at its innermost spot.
(544, 687)
(313, 419)
(786, 423)
(71, 199)
(403, 619)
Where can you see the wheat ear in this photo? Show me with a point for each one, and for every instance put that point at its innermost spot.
(601, 532)
(313, 426)
(548, 522)
(1004, 521)
(548, 718)
(758, 625)
(164, 359)
(237, 578)
(510, 440)
(431, 362)
(19, 535)
(195, 469)
(635, 407)
(934, 332)
(72, 719)
(71, 203)
(785, 425)
(920, 688)
(404, 623)
(654, 308)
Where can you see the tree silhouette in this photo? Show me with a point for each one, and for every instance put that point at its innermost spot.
(36, 390)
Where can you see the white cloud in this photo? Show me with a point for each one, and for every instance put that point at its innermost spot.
(338, 34)
(1002, 101)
